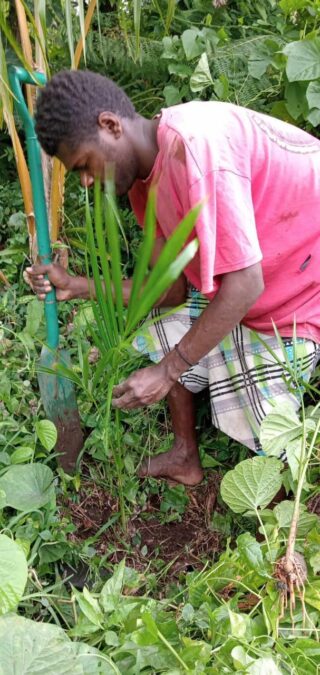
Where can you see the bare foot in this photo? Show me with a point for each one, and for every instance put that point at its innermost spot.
(179, 464)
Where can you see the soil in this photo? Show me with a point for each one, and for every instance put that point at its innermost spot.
(314, 504)
(182, 545)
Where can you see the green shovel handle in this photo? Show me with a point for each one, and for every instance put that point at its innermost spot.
(17, 77)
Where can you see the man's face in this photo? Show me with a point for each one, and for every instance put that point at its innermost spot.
(104, 153)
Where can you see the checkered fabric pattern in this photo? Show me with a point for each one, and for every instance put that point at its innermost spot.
(244, 379)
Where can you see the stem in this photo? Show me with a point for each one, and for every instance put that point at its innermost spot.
(302, 474)
(172, 650)
(116, 451)
(264, 534)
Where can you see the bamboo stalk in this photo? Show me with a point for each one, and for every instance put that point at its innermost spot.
(58, 170)
(26, 47)
(87, 23)
(24, 179)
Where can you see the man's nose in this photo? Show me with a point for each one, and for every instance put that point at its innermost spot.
(86, 179)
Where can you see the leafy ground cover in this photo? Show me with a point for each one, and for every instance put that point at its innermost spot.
(198, 580)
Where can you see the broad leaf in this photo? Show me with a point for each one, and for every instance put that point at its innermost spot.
(172, 95)
(47, 433)
(312, 594)
(89, 606)
(201, 77)
(27, 486)
(111, 591)
(264, 666)
(192, 43)
(13, 574)
(250, 551)
(21, 455)
(34, 316)
(34, 648)
(313, 94)
(279, 427)
(296, 102)
(303, 60)
(295, 454)
(252, 484)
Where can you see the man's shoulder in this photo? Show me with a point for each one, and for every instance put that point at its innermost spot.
(200, 116)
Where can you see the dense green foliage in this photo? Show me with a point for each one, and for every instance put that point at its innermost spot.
(77, 593)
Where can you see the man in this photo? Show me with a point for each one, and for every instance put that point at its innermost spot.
(259, 256)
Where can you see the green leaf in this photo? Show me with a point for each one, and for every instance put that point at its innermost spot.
(111, 638)
(13, 574)
(296, 102)
(279, 427)
(3, 499)
(238, 624)
(47, 433)
(313, 117)
(250, 551)
(172, 272)
(50, 552)
(201, 77)
(312, 594)
(240, 658)
(111, 591)
(294, 454)
(261, 57)
(264, 666)
(21, 455)
(192, 43)
(89, 606)
(315, 562)
(172, 95)
(252, 484)
(313, 94)
(284, 513)
(34, 316)
(145, 250)
(303, 60)
(28, 486)
(34, 648)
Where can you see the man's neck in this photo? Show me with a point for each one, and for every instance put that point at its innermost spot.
(143, 133)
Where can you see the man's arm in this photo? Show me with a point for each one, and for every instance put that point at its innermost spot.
(238, 292)
(70, 288)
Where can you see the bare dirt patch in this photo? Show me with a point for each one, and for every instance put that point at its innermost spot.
(182, 544)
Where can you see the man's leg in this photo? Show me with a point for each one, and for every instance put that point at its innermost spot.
(182, 462)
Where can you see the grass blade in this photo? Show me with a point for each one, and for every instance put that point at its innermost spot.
(68, 15)
(162, 283)
(99, 309)
(114, 248)
(82, 27)
(144, 255)
(103, 253)
(172, 247)
(137, 24)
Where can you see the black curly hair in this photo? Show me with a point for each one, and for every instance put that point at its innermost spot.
(68, 107)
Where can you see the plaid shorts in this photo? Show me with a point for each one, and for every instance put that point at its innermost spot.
(245, 380)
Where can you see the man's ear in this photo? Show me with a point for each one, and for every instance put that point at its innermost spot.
(109, 122)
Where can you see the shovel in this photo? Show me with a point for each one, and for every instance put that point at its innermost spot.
(57, 392)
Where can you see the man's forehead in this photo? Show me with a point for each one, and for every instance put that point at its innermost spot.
(73, 157)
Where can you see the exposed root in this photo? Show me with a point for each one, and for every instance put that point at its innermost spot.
(291, 574)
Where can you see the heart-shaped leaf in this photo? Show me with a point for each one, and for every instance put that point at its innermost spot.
(27, 486)
(13, 574)
(47, 433)
(252, 484)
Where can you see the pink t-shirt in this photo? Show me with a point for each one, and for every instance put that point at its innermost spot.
(259, 179)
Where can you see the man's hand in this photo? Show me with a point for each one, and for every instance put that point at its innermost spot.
(143, 387)
(57, 276)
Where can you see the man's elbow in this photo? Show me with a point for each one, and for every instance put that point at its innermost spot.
(255, 283)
